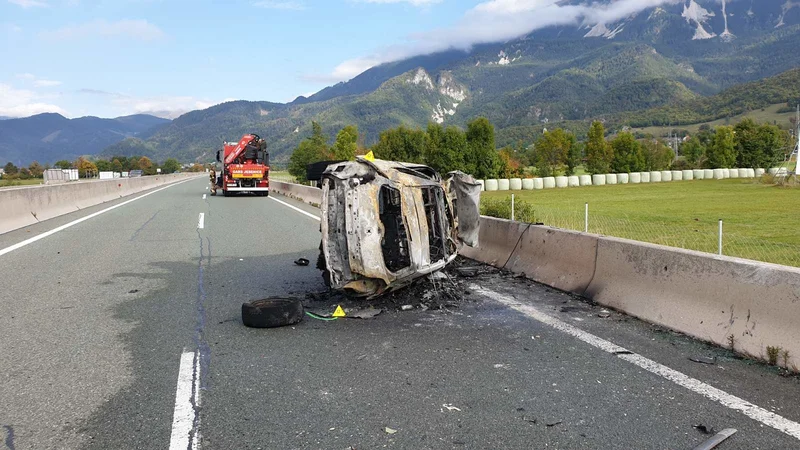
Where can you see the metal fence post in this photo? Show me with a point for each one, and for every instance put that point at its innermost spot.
(720, 237)
(586, 219)
(512, 207)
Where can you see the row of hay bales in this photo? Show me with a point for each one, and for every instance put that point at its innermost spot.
(529, 184)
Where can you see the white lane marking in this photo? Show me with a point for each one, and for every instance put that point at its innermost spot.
(201, 221)
(204, 196)
(82, 219)
(187, 397)
(297, 209)
(731, 401)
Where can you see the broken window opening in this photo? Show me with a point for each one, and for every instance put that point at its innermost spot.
(432, 198)
(395, 237)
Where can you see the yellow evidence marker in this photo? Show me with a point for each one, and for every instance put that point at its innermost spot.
(339, 312)
(370, 156)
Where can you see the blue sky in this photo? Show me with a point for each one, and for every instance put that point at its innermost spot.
(116, 57)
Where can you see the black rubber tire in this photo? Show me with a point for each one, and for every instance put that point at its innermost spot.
(272, 312)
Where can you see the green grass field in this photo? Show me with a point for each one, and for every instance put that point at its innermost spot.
(7, 183)
(770, 114)
(760, 222)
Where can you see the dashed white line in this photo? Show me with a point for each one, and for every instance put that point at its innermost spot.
(728, 400)
(201, 221)
(82, 219)
(296, 209)
(187, 399)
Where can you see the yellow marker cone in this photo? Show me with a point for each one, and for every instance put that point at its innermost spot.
(370, 156)
(339, 312)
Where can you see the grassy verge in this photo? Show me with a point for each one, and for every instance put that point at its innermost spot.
(760, 222)
(7, 183)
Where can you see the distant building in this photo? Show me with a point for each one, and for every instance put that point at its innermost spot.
(2, 172)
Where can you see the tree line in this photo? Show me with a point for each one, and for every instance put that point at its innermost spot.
(89, 168)
(747, 144)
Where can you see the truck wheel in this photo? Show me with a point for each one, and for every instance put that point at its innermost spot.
(272, 312)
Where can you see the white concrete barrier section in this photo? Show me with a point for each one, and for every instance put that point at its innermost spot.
(623, 178)
(718, 175)
(23, 206)
(558, 258)
(574, 181)
(611, 178)
(706, 296)
(645, 177)
(491, 185)
(497, 240)
(549, 182)
(760, 172)
(688, 175)
(527, 184)
(708, 174)
(655, 177)
(306, 194)
(585, 180)
(726, 173)
(598, 180)
(503, 184)
(699, 174)
(677, 175)
(562, 182)
(666, 175)
(482, 183)
(515, 184)
(733, 173)
(538, 183)
(636, 178)
(703, 295)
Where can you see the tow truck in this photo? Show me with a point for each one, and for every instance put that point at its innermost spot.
(245, 166)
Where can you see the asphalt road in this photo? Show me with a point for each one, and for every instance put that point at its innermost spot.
(94, 321)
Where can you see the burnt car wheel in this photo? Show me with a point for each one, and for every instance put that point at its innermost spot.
(272, 312)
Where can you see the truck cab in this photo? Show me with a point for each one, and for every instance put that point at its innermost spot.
(245, 166)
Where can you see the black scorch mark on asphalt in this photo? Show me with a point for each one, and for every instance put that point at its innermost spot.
(9, 437)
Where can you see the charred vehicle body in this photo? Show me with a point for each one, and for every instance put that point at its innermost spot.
(385, 224)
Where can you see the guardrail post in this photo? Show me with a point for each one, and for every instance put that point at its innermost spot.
(512, 207)
(720, 237)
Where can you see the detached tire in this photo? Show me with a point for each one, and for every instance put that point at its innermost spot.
(272, 312)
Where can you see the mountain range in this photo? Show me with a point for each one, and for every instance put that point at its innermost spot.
(663, 60)
(51, 137)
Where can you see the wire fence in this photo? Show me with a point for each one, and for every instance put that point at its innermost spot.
(687, 233)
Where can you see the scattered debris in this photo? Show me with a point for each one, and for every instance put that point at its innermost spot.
(385, 224)
(553, 423)
(437, 276)
(604, 314)
(407, 307)
(623, 352)
(703, 428)
(272, 312)
(302, 262)
(449, 407)
(717, 439)
(532, 420)
(361, 357)
(366, 313)
(390, 430)
(468, 272)
(133, 291)
(704, 359)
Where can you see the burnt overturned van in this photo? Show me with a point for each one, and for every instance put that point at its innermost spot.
(385, 223)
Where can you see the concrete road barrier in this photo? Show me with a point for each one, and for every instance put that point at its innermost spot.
(498, 238)
(705, 296)
(558, 258)
(306, 194)
(25, 206)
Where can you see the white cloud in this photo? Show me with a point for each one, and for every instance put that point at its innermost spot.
(168, 107)
(36, 81)
(290, 5)
(135, 29)
(493, 21)
(23, 103)
(412, 2)
(27, 3)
